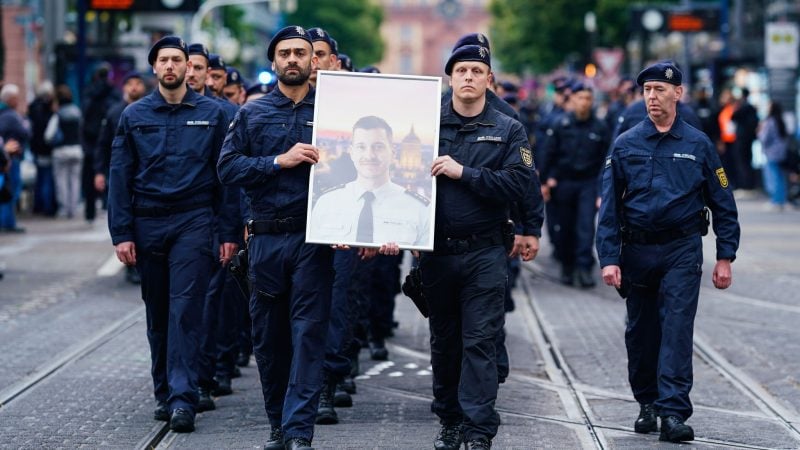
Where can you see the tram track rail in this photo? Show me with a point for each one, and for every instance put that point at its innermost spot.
(770, 406)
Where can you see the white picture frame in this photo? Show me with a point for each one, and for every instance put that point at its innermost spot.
(351, 114)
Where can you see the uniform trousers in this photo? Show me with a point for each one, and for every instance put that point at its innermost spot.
(290, 308)
(662, 302)
(465, 294)
(174, 259)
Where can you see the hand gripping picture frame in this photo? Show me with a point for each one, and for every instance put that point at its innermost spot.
(377, 135)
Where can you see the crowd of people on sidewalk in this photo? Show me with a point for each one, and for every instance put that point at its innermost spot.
(207, 178)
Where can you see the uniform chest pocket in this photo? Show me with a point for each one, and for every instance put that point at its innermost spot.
(483, 151)
(149, 140)
(638, 169)
(269, 137)
(681, 174)
(197, 138)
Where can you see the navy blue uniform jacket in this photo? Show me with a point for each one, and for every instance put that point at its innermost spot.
(165, 155)
(657, 181)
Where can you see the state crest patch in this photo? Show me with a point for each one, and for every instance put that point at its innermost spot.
(527, 156)
(723, 179)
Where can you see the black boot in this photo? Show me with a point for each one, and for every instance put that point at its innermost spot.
(674, 430)
(585, 278)
(478, 444)
(377, 350)
(182, 421)
(326, 415)
(566, 275)
(449, 438)
(161, 412)
(223, 386)
(205, 403)
(275, 441)
(348, 384)
(298, 444)
(341, 398)
(647, 420)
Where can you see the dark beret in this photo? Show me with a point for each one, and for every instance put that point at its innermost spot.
(369, 69)
(578, 85)
(334, 46)
(318, 34)
(234, 77)
(663, 71)
(198, 49)
(472, 39)
(468, 53)
(215, 62)
(511, 99)
(130, 75)
(347, 63)
(258, 88)
(167, 42)
(561, 83)
(290, 32)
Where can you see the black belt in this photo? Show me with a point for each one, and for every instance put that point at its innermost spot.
(663, 237)
(162, 211)
(466, 244)
(284, 225)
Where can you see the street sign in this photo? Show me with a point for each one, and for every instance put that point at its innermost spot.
(781, 45)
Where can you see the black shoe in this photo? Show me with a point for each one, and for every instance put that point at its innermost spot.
(348, 384)
(182, 421)
(377, 351)
(566, 276)
(161, 412)
(584, 278)
(341, 398)
(298, 444)
(223, 387)
(275, 441)
(647, 420)
(355, 367)
(674, 430)
(449, 438)
(243, 360)
(236, 372)
(205, 402)
(478, 444)
(326, 414)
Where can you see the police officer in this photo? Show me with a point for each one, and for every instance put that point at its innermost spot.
(575, 152)
(215, 373)
(217, 74)
(345, 63)
(480, 172)
(267, 152)
(163, 193)
(133, 88)
(325, 50)
(234, 89)
(256, 91)
(371, 209)
(658, 179)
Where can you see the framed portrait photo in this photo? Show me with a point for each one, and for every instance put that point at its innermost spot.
(378, 135)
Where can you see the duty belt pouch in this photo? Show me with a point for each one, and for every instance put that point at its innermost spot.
(508, 235)
(705, 217)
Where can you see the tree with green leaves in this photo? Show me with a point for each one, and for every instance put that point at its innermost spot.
(539, 35)
(355, 24)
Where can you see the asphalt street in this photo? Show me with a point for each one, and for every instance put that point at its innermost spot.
(74, 361)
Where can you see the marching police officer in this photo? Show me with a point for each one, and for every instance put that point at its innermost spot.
(234, 89)
(574, 153)
(325, 50)
(163, 193)
(267, 152)
(485, 165)
(657, 181)
(217, 74)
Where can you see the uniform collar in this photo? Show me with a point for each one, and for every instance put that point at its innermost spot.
(281, 100)
(676, 131)
(450, 118)
(381, 191)
(190, 100)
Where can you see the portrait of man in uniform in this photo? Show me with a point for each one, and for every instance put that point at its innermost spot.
(373, 184)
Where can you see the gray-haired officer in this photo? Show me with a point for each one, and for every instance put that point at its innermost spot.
(485, 165)
(658, 179)
(162, 197)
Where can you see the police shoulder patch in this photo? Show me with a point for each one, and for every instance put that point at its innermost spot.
(723, 179)
(424, 200)
(527, 156)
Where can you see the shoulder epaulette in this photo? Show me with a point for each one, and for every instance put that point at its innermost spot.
(419, 197)
(333, 188)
